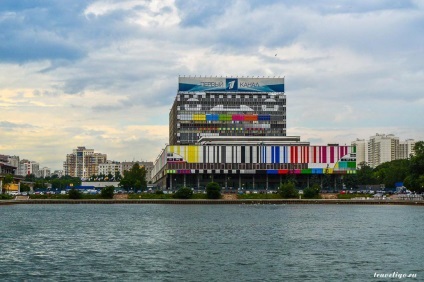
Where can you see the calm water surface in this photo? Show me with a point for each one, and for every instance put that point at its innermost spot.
(210, 242)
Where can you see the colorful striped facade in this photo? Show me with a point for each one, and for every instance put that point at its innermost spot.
(233, 131)
(225, 112)
(256, 159)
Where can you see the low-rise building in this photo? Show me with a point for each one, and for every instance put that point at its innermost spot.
(110, 167)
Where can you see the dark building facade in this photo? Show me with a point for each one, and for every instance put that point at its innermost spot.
(210, 106)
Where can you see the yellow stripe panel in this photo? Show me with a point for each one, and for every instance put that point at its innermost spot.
(199, 117)
(191, 154)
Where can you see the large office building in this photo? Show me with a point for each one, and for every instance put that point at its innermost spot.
(233, 131)
(220, 106)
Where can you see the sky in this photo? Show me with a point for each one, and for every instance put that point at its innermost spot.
(104, 74)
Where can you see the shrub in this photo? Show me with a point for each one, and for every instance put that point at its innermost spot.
(6, 197)
(312, 192)
(107, 192)
(183, 193)
(159, 192)
(288, 191)
(74, 194)
(213, 190)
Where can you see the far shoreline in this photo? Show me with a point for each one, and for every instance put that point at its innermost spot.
(217, 202)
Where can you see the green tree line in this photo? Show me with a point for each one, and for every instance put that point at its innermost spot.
(409, 171)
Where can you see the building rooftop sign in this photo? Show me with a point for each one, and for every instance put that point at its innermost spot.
(227, 84)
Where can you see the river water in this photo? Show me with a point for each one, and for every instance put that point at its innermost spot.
(210, 242)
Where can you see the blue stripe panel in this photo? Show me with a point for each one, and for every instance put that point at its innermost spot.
(272, 171)
(264, 117)
(212, 117)
(277, 154)
(286, 157)
(272, 155)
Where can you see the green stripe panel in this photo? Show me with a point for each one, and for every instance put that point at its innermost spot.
(351, 164)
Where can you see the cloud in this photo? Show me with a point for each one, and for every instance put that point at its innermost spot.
(15, 126)
(104, 74)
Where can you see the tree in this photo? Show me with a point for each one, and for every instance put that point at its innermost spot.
(312, 192)
(365, 175)
(389, 173)
(65, 181)
(74, 194)
(135, 178)
(350, 180)
(288, 191)
(30, 177)
(8, 178)
(109, 176)
(92, 178)
(117, 176)
(415, 179)
(183, 193)
(213, 190)
(40, 184)
(54, 176)
(107, 192)
(101, 177)
(24, 187)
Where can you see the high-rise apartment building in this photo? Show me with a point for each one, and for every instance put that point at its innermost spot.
(44, 172)
(83, 163)
(27, 167)
(59, 173)
(222, 106)
(361, 150)
(382, 148)
(406, 149)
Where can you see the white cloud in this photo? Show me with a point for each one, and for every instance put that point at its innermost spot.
(351, 70)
